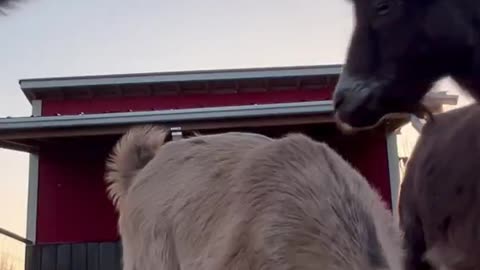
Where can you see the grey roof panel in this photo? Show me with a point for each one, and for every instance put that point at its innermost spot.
(166, 116)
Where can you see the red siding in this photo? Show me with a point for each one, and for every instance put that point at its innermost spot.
(72, 203)
(368, 153)
(102, 105)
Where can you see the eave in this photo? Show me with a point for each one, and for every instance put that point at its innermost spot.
(126, 84)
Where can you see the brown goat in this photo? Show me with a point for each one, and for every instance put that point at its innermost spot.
(440, 195)
(245, 201)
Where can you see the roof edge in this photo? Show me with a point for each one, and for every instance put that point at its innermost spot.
(8, 125)
(32, 86)
(335, 67)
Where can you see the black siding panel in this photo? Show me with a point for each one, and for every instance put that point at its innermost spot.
(108, 256)
(64, 257)
(33, 258)
(81, 256)
(49, 257)
(93, 256)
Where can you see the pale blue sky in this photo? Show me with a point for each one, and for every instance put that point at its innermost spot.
(68, 38)
(45, 38)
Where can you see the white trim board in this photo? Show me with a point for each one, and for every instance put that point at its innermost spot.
(394, 171)
(36, 107)
(32, 202)
(32, 198)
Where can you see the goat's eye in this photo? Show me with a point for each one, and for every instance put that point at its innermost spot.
(382, 7)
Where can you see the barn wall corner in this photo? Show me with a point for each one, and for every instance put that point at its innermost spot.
(32, 199)
(394, 170)
(36, 107)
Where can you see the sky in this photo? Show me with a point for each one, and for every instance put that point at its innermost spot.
(46, 38)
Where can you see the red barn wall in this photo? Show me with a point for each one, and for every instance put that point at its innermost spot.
(72, 202)
(148, 103)
(367, 153)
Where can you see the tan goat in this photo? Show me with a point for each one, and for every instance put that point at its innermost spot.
(241, 201)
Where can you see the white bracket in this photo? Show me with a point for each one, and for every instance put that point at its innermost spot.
(177, 133)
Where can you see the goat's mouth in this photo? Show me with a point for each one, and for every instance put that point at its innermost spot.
(361, 104)
(354, 115)
(347, 128)
(354, 125)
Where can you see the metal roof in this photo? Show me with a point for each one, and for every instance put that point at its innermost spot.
(16, 132)
(14, 125)
(98, 83)
(165, 116)
(177, 76)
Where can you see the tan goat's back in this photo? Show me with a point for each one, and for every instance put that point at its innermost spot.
(245, 201)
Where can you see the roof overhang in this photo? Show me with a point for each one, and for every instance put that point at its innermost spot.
(36, 88)
(19, 124)
(22, 133)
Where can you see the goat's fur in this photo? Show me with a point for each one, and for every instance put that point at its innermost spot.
(245, 201)
(440, 196)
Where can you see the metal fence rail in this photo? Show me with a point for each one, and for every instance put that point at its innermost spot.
(15, 236)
